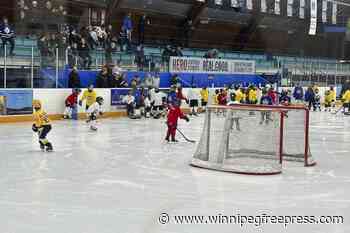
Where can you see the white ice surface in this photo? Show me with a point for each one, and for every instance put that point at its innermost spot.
(119, 180)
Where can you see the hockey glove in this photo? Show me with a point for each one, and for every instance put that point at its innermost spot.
(34, 128)
(186, 118)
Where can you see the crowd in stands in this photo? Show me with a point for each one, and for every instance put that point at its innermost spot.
(114, 77)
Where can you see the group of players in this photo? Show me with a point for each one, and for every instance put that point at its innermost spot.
(269, 96)
(172, 102)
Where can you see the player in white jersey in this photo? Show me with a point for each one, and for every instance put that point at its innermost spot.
(93, 111)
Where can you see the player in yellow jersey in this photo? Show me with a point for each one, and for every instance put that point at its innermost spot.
(346, 102)
(238, 94)
(90, 96)
(252, 95)
(204, 96)
(42, 125)
(333, 96)
(328, 100)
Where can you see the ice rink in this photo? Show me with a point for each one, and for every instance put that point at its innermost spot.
(121, 178)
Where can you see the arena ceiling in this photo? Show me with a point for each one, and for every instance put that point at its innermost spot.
(205, 13)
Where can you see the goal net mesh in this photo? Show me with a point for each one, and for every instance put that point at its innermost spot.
(252, 139)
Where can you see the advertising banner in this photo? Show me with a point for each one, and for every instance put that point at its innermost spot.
(211, 66)
(16, 102)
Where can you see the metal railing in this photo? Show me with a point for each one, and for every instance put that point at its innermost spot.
(31, 68)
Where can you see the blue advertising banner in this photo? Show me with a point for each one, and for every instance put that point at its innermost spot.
(117, 96)
(16, 102)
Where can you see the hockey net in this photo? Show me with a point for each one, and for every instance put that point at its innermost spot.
(253, 139)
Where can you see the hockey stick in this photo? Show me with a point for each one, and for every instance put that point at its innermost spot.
(186, 138)
(336, 112)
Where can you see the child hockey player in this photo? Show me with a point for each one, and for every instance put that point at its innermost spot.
(158, 104)
(204, 97)
(317, 104)
(298, 94)
(148, 106)
(327, 101)
(265, 100)
(333, 97)
(193, 96)
(285, 98)
(90, 96)
(174, 113)
(129, 100)
(252, 95)
(41, 125)
(71, 104)
(94, 110)
(346, 102)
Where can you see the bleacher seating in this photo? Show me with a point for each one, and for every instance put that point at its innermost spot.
(24, 46)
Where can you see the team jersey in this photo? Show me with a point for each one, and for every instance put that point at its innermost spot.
(333, 95)
(41, 118)
(174, 113)
(328, 98)
(346, 97)
(204, 95)
(239, 96)
(317, 97)
(95, 108)
(266, 100)
(252, 95)
(216, 98)
(159, 98)
(72, 99)
(193, 94)
(89, 96)
(172, 97)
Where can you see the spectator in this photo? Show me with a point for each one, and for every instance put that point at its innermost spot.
(7, 35)
(73, 55)
(43, 45)
(103, 80)
(179, 51)
(141, 26)
(120, 81)
(73, 36)
(140, 57)
(135, 82)
(188, 29)
(101, 35)
(128, 27)
(109, 33)
(174, 79)
(84, 54)
(92, 37)
(123, 40)
(212, 54)
(166, 54)
(111, 48)
(74, 78)
(156, 81)
(148, 81)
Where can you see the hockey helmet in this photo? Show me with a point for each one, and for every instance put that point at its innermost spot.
(99, 100)
(36, 104)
